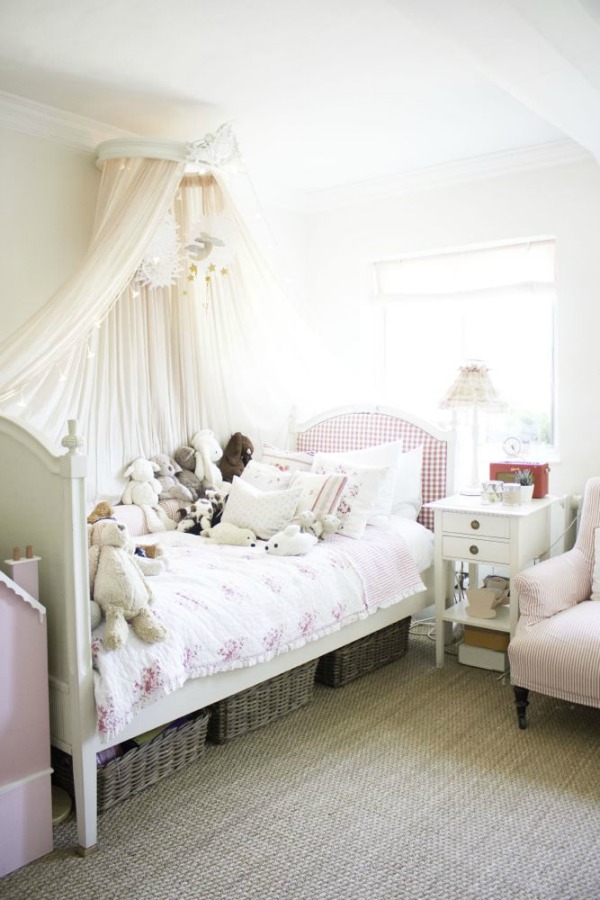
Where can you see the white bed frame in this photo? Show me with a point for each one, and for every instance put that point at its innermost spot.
(42, 503)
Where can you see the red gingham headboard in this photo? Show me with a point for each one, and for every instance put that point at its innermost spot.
(349, 429)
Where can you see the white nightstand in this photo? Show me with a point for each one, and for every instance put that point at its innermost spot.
(484, 534)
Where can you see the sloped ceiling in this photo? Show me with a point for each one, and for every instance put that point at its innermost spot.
(323, 94)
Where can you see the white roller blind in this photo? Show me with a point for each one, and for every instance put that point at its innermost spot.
(465, 272)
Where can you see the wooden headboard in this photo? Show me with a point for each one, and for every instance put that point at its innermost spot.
(352, 428)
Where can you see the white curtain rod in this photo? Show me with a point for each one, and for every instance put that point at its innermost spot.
(213, 150)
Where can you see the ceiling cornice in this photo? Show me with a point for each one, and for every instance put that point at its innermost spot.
(493, 165)
(49, 123)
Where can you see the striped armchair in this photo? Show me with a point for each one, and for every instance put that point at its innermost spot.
(556, 648)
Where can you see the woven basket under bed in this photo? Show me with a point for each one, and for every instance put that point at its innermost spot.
(264, 703)
(364, 655)
(143, 765)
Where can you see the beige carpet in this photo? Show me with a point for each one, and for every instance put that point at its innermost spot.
(410, 783)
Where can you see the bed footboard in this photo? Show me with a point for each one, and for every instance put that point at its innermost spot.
(42, 503)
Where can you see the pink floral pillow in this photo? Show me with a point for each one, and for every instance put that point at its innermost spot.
(360, 493)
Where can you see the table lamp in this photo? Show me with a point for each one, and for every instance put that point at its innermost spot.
(473, 389)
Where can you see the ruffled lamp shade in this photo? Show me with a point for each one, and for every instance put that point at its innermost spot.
(472, 388)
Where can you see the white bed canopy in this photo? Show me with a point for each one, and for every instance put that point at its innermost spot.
(145, 344)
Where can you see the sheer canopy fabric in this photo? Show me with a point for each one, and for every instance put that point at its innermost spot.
(133, 198)
(140, 368)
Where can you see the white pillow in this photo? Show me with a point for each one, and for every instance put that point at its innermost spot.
(379, 456)
(358, 499)
(266, 477)
(408, 491)
(287, 460)
(264, 512)
(320, 493)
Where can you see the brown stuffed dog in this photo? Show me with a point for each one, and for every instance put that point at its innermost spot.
(236, 456)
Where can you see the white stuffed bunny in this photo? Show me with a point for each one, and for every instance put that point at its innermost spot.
(208, 453)
(290, 542)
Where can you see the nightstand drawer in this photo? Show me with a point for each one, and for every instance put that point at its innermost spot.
(484, 526)
(475, 550)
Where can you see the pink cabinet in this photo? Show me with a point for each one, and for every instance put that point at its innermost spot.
(25, 788)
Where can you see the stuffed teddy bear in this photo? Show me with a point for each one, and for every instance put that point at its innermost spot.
(227, 533)
(186, 458)
(119, 588)
(143, 489)
(208, 453)
(171, 488)
(290, 542)
(320, 526)
(150, 555)
(236, 456)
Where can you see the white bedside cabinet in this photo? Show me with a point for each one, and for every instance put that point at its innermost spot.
(467, 530)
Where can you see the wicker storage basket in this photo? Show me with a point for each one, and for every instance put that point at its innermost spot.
(141, 766)
(364, 655)
(261, 704)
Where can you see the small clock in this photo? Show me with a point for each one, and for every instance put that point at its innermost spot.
(512, 446)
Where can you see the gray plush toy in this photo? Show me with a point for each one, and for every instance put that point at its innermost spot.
(172, 488)
(186, 458)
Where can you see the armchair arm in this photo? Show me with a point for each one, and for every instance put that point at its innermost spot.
(553, 585)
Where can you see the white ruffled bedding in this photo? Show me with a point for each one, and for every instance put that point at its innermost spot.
(225, 607)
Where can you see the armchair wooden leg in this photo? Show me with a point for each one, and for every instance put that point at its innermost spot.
(522, 703)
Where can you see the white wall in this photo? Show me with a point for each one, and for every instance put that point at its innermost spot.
(562, 201)
(48, 200)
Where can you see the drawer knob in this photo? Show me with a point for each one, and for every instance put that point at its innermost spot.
(474, 549)
(475, 525)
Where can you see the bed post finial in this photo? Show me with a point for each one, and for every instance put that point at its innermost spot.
(72, 441)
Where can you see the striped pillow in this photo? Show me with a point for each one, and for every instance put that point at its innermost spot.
(320, 493)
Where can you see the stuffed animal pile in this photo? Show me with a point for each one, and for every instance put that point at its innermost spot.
(119, 587)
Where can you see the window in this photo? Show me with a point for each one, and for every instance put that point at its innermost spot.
(434, 313)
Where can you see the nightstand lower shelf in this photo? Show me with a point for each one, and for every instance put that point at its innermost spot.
(457, 613)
